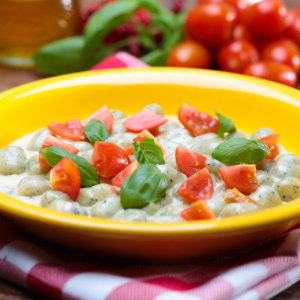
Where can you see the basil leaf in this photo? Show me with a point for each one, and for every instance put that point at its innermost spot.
(88, 174)
(226, 125)
(155, 58)
(96, 131)
(241, 151)
(148, 152)
(147, 184)
(151, 5)
(108, 18)
(67, 56)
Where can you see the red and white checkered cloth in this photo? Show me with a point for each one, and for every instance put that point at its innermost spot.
(60, 273)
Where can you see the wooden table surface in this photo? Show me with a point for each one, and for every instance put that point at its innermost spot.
(10, 78)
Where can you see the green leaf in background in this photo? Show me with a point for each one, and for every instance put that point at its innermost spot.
(147, 184)
(151, 5)
(241, 151)
(108, 18)
(148, 152)
(67, 56)
(226, 125)
(146, 38)
(155, 58)
(96, 131)
(88, 174)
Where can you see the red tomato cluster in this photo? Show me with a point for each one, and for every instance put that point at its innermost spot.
(260, 40)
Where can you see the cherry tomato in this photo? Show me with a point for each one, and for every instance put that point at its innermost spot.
(144, 119)
(140, 137)
(283, 51)
(189, 162)
(72, 130)
(237, 55)
(265, 19)
(292, 26)
(197, 122)
(197, 187)
(240, 32)
(271, 140)
(241, 177)
(128, 150)
(273, 71)
(104, 115)
(109, 159)
(189, 54)
(211, 24)
(234, 196)
(52, 141)
(65, 177)
(198, 211)
(120, 178)
(240, 6)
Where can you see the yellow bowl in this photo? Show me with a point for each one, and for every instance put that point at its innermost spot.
(251, 103)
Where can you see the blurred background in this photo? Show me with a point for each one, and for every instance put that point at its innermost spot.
(259, 38)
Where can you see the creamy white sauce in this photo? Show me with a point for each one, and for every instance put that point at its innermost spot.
(169, 207)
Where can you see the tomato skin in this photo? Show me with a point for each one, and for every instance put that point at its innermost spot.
(198, 211)
(144, 120)
(120, 178)
(140, 137)
(292, 26)
(283, 51)
(197, 187)
(72, 130)
(271, 140)
(237, 55)
(196, 122)
(211, 24)
(189, 54)
(234, 196)
(265, 19)
(104, 115)
(128, 150)
(240, 32)
(189, 162)
(240, 6)
(53, 141)
(241, 177)
(65, 177)
(109, 159)
(280, 73)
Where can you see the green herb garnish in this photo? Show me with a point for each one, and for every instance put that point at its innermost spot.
(241, 151)
(147, 184)
(96, 131)
(226, 125)
(88, 174)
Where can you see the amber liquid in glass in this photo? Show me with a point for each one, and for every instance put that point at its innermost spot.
(26, 25)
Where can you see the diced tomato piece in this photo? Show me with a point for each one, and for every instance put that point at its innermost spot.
(105, 180)
(128, 150)
(189, 162)
(198, 211)
(72, 130)
(144, 119)
(109, 159)
(197, 122)
(103, 115)
(197, 187)
(65, 177)
(53, 141)
(234, 196)
(271, 140)
(156, 132)
(241, 177)
(120, 178)
(145, 133)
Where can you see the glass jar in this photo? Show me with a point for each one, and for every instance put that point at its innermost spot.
(26, 25)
